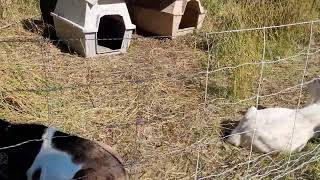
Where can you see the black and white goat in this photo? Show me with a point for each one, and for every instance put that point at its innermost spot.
(36, 152)
(279, 129)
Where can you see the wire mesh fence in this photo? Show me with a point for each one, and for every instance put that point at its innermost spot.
(166, 104)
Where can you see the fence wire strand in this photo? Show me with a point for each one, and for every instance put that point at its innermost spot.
(275, 169)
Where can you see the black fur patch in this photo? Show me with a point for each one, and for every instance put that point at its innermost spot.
(20, 157)
(3, 125)
(46, 7)
(73, 145)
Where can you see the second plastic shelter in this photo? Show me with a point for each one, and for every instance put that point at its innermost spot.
(167, 17)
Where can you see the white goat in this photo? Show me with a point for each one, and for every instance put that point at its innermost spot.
(279, 129)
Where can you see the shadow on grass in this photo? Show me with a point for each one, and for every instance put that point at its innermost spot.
(226, 128)
(47, 31)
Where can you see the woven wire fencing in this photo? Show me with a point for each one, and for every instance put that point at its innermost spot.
(165, 105)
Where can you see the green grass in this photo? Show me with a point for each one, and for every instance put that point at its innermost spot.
(237, 48)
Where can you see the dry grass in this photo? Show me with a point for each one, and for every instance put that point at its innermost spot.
(148, 104)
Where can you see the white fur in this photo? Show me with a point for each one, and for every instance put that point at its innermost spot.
(274, 126)
(54, 164)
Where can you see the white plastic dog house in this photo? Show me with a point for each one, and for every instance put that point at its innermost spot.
(94, 27)
(167, 17)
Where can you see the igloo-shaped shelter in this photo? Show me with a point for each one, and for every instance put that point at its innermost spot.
(167, 17)
(94, 27)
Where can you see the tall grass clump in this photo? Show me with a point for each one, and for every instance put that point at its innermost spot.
(231, 49)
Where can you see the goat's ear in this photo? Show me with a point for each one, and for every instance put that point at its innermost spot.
(251, 113)
(317, 80)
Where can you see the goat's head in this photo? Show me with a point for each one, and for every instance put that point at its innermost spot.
(314, 89)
